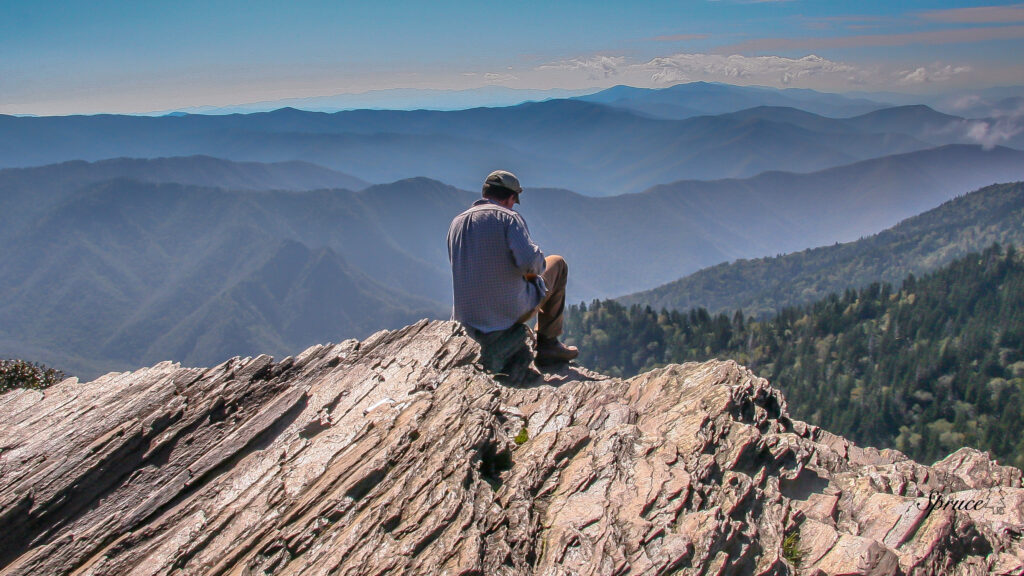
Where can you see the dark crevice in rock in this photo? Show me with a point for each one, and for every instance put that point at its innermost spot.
(263, 435)
(362, 487)
(23, 531)
(20, 528)
(313, 428)
(391, 523)
(806, 483)
(428, 539)
(494, 461)
(570, 451)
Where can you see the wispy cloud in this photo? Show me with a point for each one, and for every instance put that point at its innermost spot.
(680, 37)
(686, 67)
(844, 22)
(991, 133)
(978, 14)
(1007, 124)
(596, 67)
(848, 18)
(955, 36)
(1003, 125)
(930, 74)
(496, 78)
(812, 71)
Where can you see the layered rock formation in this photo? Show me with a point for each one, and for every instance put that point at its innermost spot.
(400, 454)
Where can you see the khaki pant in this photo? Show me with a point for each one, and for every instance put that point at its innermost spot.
(552, 307)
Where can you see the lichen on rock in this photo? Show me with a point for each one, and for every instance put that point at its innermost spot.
(401, 454)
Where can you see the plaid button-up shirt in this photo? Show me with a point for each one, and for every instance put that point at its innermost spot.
(490, 250)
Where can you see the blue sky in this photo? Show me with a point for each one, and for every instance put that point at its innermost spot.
(101, 56)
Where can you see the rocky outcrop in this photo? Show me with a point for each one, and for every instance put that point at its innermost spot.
(400, 454)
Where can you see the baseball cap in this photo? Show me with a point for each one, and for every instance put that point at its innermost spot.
(504, 179)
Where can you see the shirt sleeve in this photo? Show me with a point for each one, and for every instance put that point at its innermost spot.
(527, 255)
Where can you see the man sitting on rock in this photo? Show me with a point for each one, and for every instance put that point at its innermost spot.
(501, 277)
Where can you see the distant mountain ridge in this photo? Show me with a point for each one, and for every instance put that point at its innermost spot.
(203, 170)
(690, 225)
(26, 193)
(761, 287)
(394, 99)
(712, 98)
(595, 149)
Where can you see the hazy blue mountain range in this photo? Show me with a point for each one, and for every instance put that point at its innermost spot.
(709, 98)
(917, 121)
(118, 272)
(124, 272)
(26, 193)
(680, 227)
(594, 149)
(643, 239)
(198, 170)
(712, 98)
(923, 243)
(1009, 106)
(967, 102)
(395, 99)
(675, 102)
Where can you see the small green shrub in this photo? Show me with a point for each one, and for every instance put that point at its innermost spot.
(791, 549)
(22, 374)
(522, 437)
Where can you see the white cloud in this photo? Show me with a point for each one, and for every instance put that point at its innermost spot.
(978, 14)
(810, 71)
(596, 67)
(492, 78)
(1000, 128)
(995, 132)
(929, 74)
(966, 102)
(685, 67)
(926, 37)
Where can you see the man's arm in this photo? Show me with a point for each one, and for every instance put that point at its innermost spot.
(527, 255)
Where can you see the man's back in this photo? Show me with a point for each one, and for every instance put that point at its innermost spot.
(490, 251)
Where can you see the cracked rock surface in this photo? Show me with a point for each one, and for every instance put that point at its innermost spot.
(399, 454)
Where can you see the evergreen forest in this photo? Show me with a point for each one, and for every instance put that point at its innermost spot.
(926, 368)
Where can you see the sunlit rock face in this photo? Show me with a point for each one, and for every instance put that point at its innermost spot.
(401, 454)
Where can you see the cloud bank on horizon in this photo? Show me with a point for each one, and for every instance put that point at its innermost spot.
(107, 56)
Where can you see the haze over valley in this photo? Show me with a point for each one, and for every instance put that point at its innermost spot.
(595, 149)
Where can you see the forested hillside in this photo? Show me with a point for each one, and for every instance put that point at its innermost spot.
(763, 286)
(927, 368)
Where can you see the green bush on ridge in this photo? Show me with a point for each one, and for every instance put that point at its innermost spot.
(22, 374)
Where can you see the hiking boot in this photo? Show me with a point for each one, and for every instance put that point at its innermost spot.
(550, 350)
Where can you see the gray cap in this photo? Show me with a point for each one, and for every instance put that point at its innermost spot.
(504, 179)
